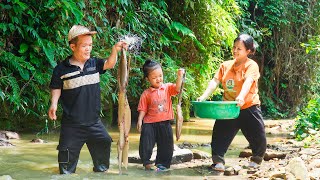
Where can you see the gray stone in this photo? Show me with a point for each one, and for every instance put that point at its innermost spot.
(179, 156)
(298, 168)
(197, 154)
(6, 177)
(272, 155)
(245, 153)
(38, 140)
(309, 151)
(4, 142)
(9, 135)
(315, 173)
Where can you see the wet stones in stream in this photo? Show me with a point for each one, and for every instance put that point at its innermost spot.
(5, 136)
(179, 155)
(5, 142)
(9, 135)
(38, 140)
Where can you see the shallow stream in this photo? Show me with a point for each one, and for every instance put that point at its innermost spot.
(27, 160)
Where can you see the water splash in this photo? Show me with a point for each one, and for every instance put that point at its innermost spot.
(134, 42)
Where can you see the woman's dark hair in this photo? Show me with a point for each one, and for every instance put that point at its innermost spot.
(248, 42)
(149, 65)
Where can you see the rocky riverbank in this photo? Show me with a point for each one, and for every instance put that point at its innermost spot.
(285, 158)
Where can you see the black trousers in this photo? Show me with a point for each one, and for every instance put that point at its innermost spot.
(73, 137)
(250, 121)
(160, 133)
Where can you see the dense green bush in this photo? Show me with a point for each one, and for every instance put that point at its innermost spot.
(34, 38)
(307, 121)
(197, 35)
(280, 27)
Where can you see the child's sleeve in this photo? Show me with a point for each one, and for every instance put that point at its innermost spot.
(143, 104)
(172, 89)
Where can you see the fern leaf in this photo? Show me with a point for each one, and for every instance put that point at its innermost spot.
(23, 48)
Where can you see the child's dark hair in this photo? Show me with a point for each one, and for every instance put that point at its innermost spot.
(149, 65)
(248, 42)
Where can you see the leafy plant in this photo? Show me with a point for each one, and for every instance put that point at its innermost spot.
(307, 121)
(280, 27)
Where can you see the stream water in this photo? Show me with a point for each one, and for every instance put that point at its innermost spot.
(27, 160)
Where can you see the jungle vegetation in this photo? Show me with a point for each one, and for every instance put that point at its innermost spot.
(195, 34)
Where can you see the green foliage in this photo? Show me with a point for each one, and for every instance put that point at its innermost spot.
(280, 27)
(307, 121)
(214, 25)
(313, 47)
(194, 34)
(34, 38)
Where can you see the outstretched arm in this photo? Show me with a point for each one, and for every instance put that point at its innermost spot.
(112, 59)
(213, 84)
(181, 72)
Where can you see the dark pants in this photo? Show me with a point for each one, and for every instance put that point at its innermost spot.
(160, 133)
(250, 121)
(73, 137)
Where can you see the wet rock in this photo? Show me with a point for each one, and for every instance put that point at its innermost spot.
(205, 145)
(4, 142)
(252, 171)
(135, 158)
(297, 167)
(187, 145)
(197, 154)
(245, 153)
(275, 147)
(237, 168)
(9, 135)
(38, 140)
(179, 156)
(276, 175)
(272, 155)
(229, 172)
(268, 155)
(3, 136)
(6, 177)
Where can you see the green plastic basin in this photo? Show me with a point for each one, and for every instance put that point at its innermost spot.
(219, 110)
